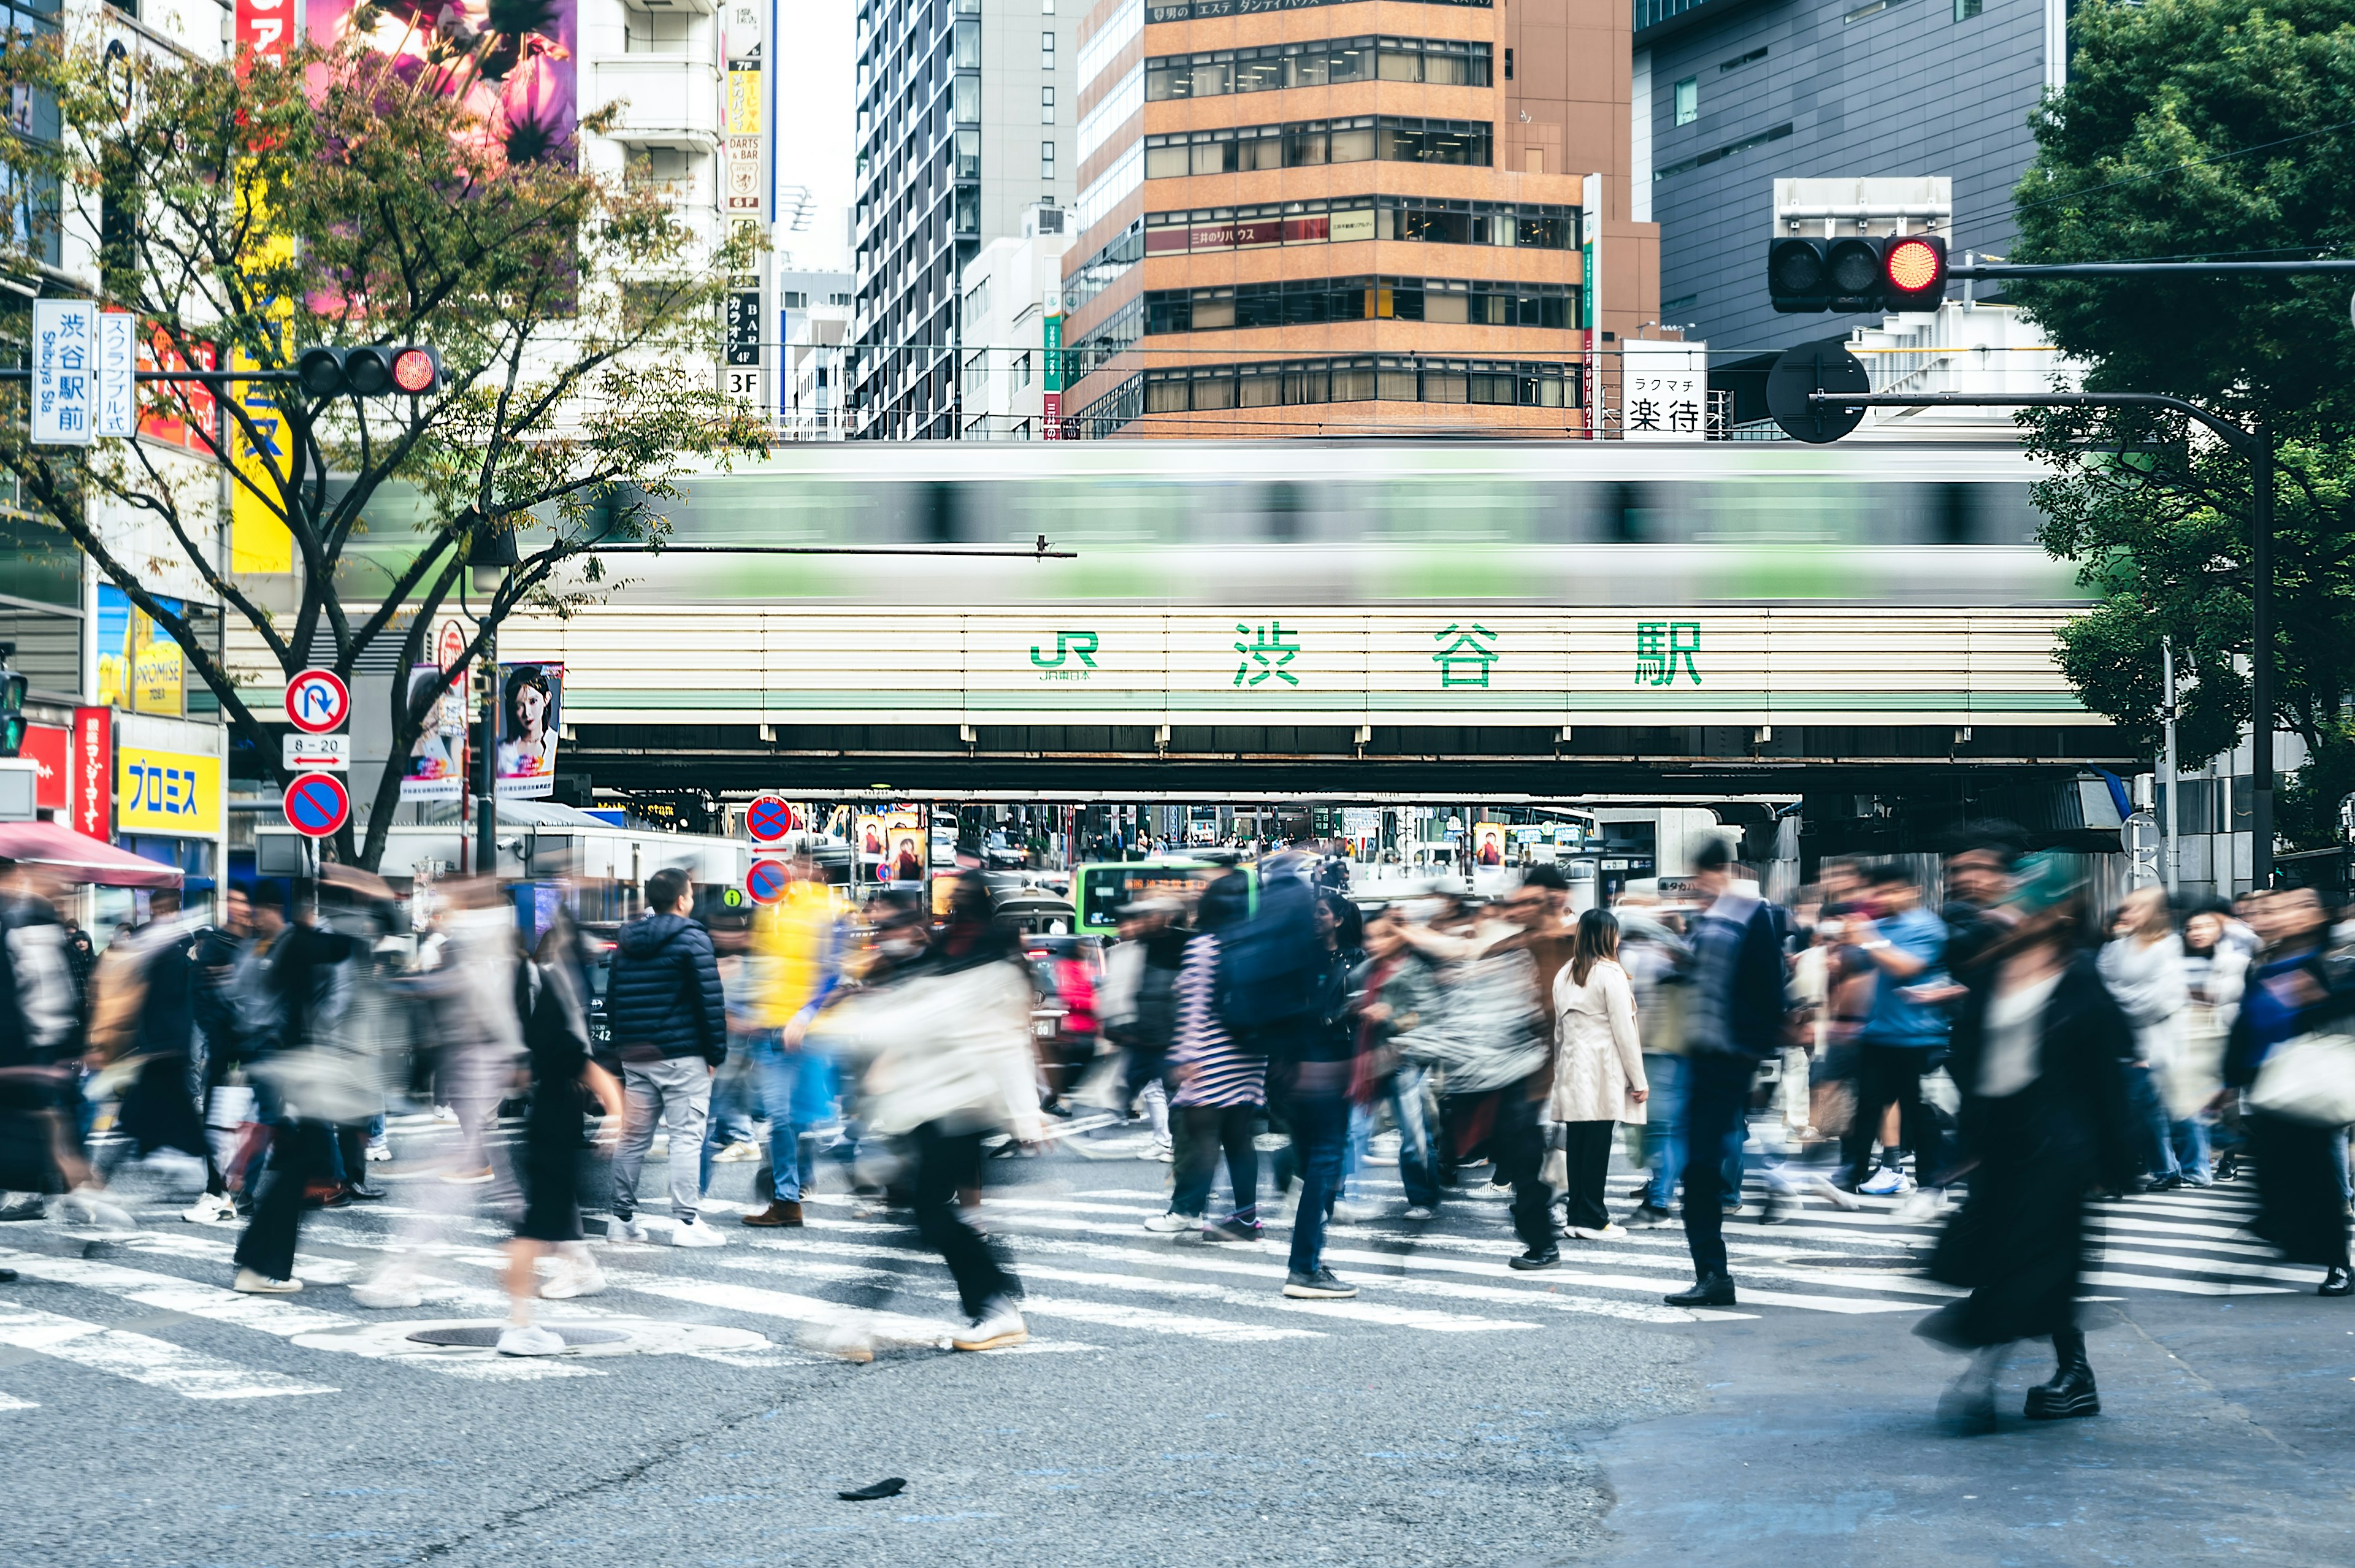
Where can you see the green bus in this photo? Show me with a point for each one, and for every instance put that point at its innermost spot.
(1100, 890)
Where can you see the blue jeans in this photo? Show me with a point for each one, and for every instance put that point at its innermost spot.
(1664, 1131)
(2146, 1112)
(2189, 1139)
(1320, 1125)
(793, 1087)
(1418, 1170)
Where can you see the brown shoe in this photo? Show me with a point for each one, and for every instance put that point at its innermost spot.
(778, 1212)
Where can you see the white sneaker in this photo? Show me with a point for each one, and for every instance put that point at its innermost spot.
(695, 1234)
(444, 1114)
(1838, 1198)
(85, 1206)
(1347, 1213)
(1921, 1206)
(1166, 1153)
(628, 1233)
(252, 1283)
(737, 1153)
(1887, 1182)
(1171, 1223)
(210, 1209)
(380, 1150)
(388, 1293)
(573, 1278)
(1416, 1213)
(844, 1341)
(1611, 1232)
(529, 1339)
(998, 1326)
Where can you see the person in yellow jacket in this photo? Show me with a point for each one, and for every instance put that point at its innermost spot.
(793, 964)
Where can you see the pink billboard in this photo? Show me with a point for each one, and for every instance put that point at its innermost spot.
(512, 62)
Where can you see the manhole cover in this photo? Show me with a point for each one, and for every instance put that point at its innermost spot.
(483, 1336)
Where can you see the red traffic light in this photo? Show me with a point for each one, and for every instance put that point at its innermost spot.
(417, 371)
(1913, 271)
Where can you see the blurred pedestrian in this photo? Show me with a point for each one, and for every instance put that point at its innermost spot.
(1138, 1002)
(1221, 1087)
(1396, 987)
(565, 1084)
(1736, 1021)
(1598, 1075)
(2038, 1052)
(2294, 990)
(792, 967)
(1655, 958)
(2143, 966)
(668, 1017)
(2214, 969)
(1320, 1065)
(1903, 1037)
(946, 1038)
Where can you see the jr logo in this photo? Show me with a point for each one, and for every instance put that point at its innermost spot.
(1067, 644)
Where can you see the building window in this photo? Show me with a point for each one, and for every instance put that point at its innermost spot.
(1047, 50)
(1022, 372)
(1727, 68)
(1328, 62)
(1341, 219)
(1309, 143)
(1310, 302)
(1689, 101)
(1047, 160)
(1509, 65)
(1046, 106)
(1670, 171)
(1966, 9)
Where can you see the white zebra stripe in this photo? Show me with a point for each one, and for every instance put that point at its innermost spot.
(157, 1363)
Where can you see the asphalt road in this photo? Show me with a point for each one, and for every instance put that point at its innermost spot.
(1171, 1409)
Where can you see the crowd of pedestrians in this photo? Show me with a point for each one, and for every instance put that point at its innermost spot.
(1994, 1060)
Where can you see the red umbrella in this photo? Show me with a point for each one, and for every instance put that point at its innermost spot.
(78, 858)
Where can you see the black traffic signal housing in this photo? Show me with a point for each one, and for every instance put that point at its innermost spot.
(1858, 274)
(12, 703)
(414, 368)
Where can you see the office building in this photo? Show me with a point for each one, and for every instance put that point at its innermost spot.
(1732, 95)
(1007, 349)
(1350, 217)
(814, 322)
(963, 123)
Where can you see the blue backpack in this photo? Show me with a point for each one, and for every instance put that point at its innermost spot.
(1268, 966)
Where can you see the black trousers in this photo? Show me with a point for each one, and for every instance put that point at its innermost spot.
(301, 1152)
(1886, 1073)
(1503, 1124)
(1208, 1129)
(946, 1163)
(1717, 1099)
(2298, 1207)
(1586, 1151)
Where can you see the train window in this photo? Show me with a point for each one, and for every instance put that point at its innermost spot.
(1955, 519)
(1623, 514)
(940, 513)
(1285, 505)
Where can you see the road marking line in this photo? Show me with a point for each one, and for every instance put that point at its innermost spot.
(158, 1363)
(10, 1401)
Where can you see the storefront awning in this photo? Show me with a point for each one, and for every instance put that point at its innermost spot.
(77, 858)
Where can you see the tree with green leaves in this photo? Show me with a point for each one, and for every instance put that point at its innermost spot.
(2219, 131)
(243, 211)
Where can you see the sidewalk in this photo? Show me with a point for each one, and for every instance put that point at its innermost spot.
(2228, 1434)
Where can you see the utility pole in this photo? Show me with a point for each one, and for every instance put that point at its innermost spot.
(2166, 715)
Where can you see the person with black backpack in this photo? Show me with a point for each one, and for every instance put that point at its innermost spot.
(669, 1021)
(1318, 1055)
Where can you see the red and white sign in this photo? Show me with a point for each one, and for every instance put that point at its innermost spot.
(317, 701)
(450, 645)
(264, 29)
(316, 804)
(49, 747)
(766, 881)
(91, 774)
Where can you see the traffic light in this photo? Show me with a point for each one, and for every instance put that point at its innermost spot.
(12, 704)
(1902, 272)
(369, 371)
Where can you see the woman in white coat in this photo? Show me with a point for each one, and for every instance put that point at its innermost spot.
(1598, 1072)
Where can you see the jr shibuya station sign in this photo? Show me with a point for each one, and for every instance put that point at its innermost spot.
(1282, 665)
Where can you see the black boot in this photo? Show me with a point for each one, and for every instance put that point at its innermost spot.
(1717, 1290)
(2335, 1281)
(2070, 1390)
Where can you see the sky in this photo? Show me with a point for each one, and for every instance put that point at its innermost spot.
(813, 126)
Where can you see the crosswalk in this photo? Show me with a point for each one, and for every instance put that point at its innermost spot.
(1094, 1279)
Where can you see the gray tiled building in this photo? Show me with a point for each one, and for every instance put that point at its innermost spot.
(1733, 94)
(961, 130)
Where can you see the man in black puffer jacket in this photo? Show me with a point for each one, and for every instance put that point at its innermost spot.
(670, 1028)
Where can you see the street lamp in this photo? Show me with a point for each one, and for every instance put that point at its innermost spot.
(490, 556)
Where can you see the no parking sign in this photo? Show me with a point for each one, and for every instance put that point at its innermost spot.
(316, 804)
(765, 882)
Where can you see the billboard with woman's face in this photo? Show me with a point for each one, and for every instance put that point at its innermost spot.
(531, 704)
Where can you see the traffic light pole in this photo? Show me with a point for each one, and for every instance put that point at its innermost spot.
(2257, 447)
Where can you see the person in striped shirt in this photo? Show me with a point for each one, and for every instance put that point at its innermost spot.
(1221, 1089)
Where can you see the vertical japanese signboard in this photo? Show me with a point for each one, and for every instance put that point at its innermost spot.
(91, 761)
(744, 200)
(1052, 362)
(65, 342)
(264, 28)
(117, 414)
(1590, 294)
